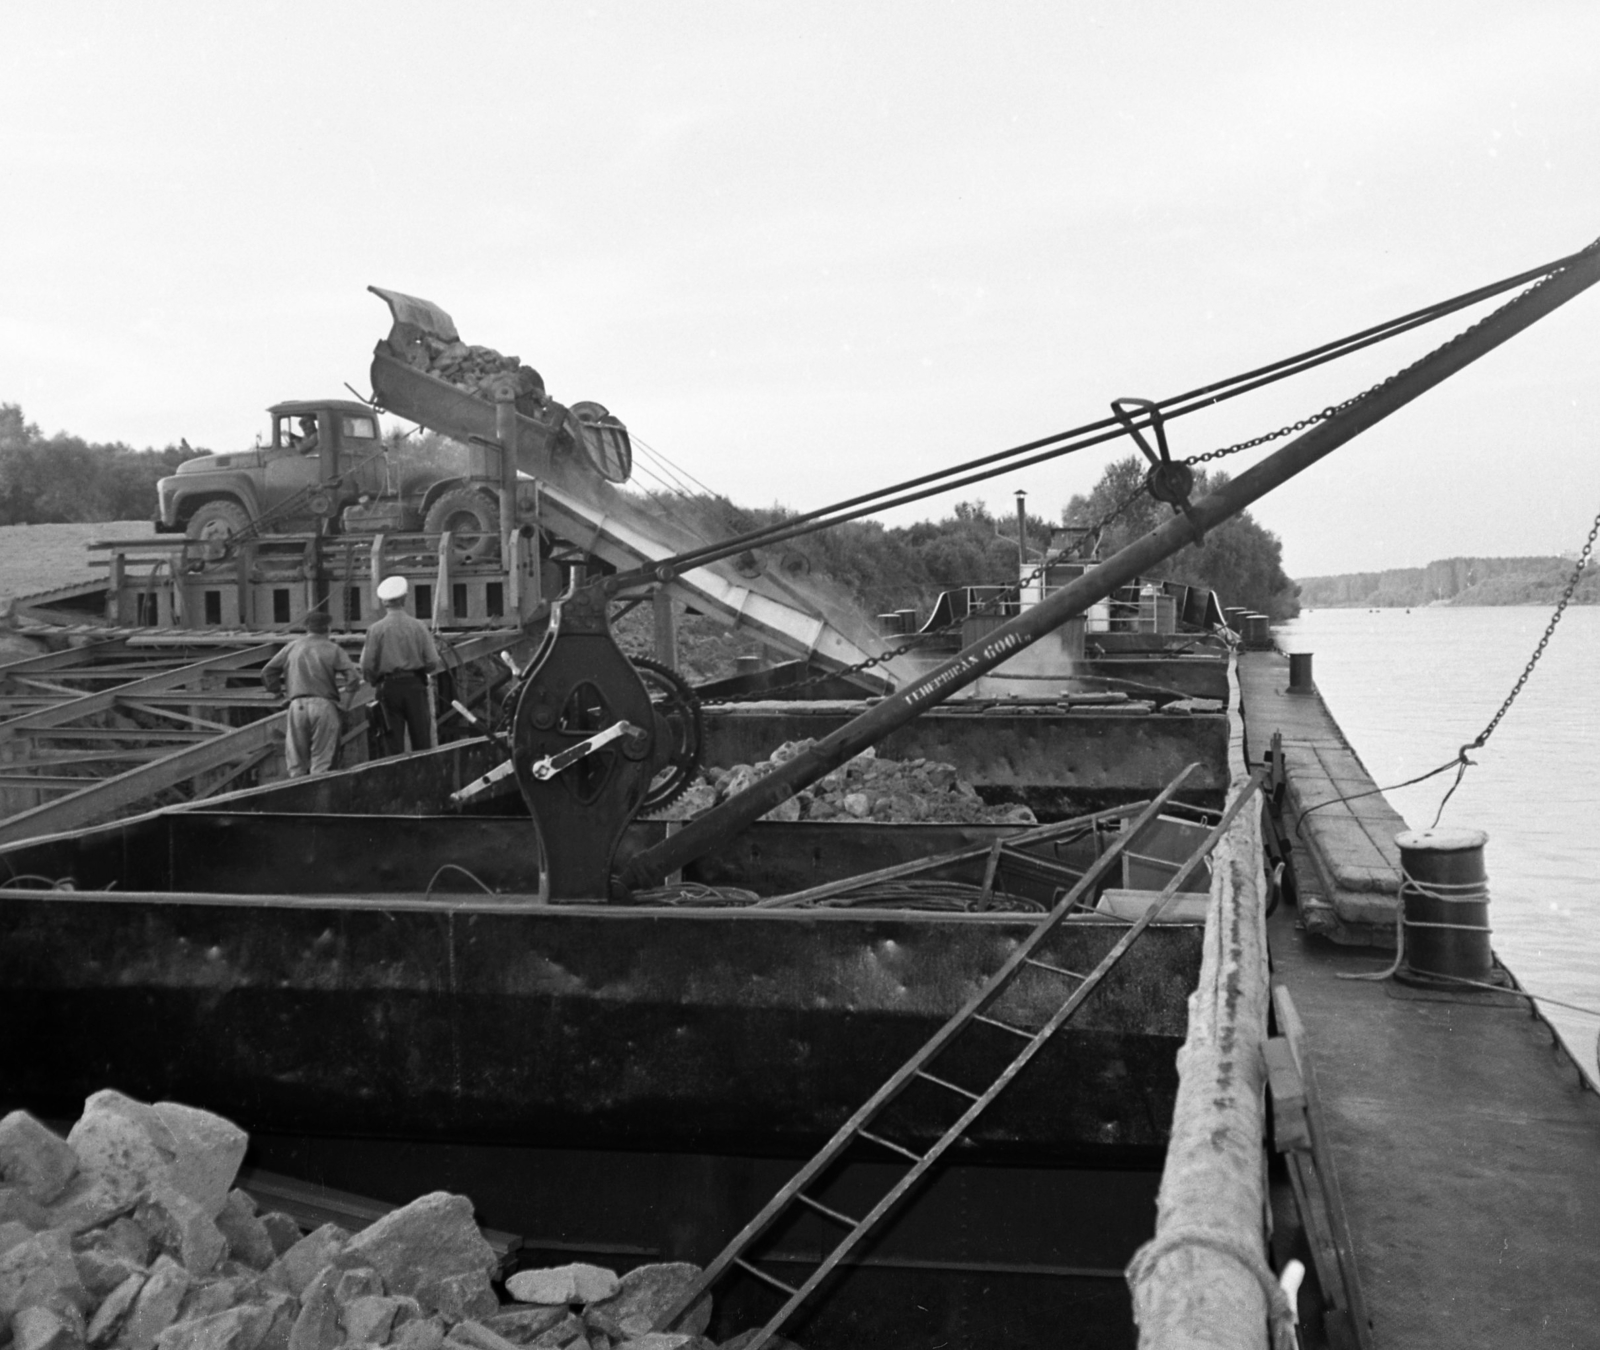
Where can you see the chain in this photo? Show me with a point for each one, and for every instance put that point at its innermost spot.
(883, 657)
(1303, 424)
(1335, 409)
(1549, 630)
(1281, 432)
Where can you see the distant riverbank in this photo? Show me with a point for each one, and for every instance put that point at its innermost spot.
(1452, 581)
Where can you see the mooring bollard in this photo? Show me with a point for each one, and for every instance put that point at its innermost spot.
(1444, 895)
(1300, 681)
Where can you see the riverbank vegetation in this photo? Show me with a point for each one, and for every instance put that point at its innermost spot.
(61, 478)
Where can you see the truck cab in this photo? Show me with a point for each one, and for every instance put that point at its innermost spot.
(318, 457)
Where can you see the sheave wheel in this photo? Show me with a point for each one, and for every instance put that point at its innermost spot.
(464, 510)
(213, 524)
(677, 713)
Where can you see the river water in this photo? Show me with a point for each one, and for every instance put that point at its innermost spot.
(1410, 687)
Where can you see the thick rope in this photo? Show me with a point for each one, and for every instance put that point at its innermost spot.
(1448, 892)
(1280, 1315)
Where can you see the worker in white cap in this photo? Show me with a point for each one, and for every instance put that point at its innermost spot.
(398, 658)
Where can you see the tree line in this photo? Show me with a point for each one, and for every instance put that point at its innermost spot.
(888, 568)
(60, 478)
(46, 479)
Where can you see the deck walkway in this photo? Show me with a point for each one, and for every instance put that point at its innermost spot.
(1466, 1146)
(1349, 891)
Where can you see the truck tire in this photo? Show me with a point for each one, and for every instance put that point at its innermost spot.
(213, 524)
(467, 509)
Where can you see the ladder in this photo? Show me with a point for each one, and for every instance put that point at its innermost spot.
(1080, 986)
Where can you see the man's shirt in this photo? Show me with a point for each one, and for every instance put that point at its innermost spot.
(310, 667)
(398, 642)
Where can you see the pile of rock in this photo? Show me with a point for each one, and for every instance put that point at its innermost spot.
(868, 787)
(478, 370)
(129, 1235)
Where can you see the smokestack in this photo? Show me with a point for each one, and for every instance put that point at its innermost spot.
(1022, 533)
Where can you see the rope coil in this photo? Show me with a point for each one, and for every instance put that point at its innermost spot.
(1467, 893)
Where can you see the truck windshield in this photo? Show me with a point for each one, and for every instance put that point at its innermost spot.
(359, 428)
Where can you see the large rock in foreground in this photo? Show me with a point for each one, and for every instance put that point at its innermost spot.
(432, 1250)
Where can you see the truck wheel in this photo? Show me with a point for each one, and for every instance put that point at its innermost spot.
(467, 511)
(213, 524)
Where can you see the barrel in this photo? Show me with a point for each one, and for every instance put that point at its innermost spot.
(1445, 900)
(1257, 632)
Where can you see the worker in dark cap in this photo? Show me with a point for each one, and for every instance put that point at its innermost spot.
(399, 656)
(316, 673)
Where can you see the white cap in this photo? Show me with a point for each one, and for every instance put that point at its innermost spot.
(393, 588)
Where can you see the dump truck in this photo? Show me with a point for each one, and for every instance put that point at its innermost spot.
(324, 461)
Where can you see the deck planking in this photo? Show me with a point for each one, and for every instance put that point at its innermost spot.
(1466, 1144)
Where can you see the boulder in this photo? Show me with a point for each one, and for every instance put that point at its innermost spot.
(238, 1328)
(247, 1237)
(180, 1226)
(207, 1151)
(425, 1333)
(156, 1307)
(473, 1335)
(113, 1309)
(576, 1283)
(102, 1269)
(368, 1319)
(17, 1206)
(666, 1340)
(648, 1291)
(122, 1148)
(281, 1311)
(459, 1297)
(121, 1237)
(125, 1147)
(34, 1158)
(301, 1264)
(41, 1270)
(39, 1328)
(283, 1230)
(432, 1250)
(317, 1326)
(218, 1295)
(522, 1325)
(570, 1331)
(13, 1234)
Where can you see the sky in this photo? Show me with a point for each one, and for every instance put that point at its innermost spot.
(806, 250)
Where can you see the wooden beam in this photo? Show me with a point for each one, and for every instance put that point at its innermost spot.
(111, 796)
(70, 710)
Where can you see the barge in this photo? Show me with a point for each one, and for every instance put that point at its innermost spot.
(1034, 1095)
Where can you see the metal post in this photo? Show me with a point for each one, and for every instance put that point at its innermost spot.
(723, 822)
(505, 427)
(443, 608)
(666, 627)
(1022, 534)
(377, 567)
(115, 582)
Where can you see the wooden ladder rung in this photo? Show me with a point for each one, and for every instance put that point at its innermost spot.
(1058, 970)
(1004, 1026)
(954, 1087)
(821, 1208)
(889, 1144)
(760, 1274)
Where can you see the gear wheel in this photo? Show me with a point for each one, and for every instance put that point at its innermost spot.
(678, 724)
